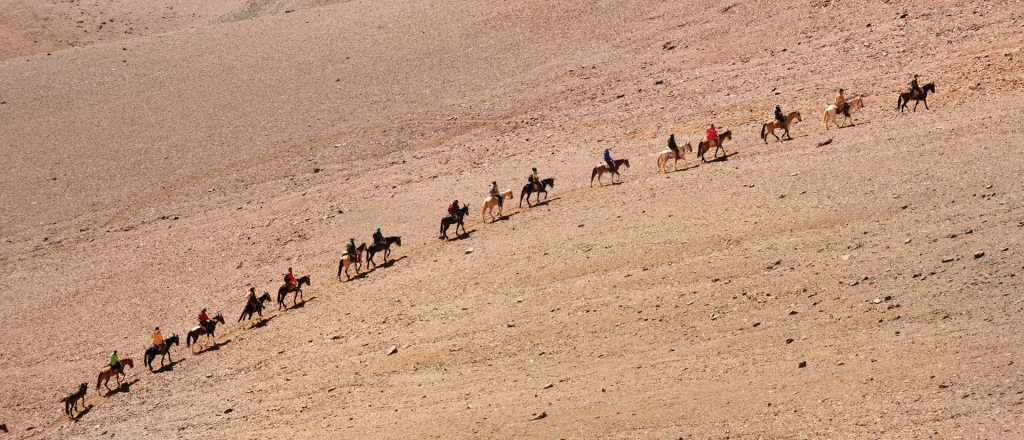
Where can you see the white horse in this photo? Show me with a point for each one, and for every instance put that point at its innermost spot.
(490, 202)
(667, 154)
(832, 110)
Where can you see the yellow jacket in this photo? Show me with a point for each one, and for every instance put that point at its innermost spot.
(158, 339)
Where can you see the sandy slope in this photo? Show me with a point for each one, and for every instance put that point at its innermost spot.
(154, 176)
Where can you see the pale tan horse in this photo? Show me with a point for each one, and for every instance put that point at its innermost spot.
(832, 110)
(490, 202)
(108, 372)
(772, 124)
(347, 261)
(667, 154)
(601, 169)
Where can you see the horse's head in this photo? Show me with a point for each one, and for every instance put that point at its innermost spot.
(930, 87)
(219, 318)
(550, 181)
(304, 280)
(361, 247)
(397, 240)
(265, 297)
(726, 135)
(795, 116)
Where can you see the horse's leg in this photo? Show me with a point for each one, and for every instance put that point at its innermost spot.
(925, 100)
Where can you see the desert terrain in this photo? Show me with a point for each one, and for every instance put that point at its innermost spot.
(867, 287)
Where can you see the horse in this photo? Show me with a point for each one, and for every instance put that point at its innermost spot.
(603, 168)
(667, 154)
(490, 202)
(109, 372)
(283, 292)
(382, 247)
(906, 97)
(529, 190)
(254, 308)
(705, 145)
(348, 260)
(772, 124)
(153, 350)
(71, 400)
(448, 221)
(832, 111)
(196, 332)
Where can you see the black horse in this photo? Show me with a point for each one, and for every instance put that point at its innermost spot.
(254, 307)
(153, 350)
(906, 97)
(529, 189)
(283, 291)
(447, 221)
(71, 401)
(385, 247)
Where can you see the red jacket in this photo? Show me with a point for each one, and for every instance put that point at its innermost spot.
(203, 317)
(451, 210)
(290, 277)
(712, 134)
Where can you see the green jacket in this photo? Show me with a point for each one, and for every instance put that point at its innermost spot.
(114, 360)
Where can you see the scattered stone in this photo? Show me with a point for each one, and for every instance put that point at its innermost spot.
(548, 386)
(228, 411)
(469, 251)
(209, 376)
(846, 257)
(331, 389)
(903, 207)
(979, 255)
(317, 170)
(948, 259)
(968, 231)
(539, 416)
(337, 145)
(659, 82)
(511, 325)
(757, 324)
(789, 341)
(3, 427)
(793, 312)
(822, 144)
(907, 241)
(392, 350)
(802, 364)
(876, 301)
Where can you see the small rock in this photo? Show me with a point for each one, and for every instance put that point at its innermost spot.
(209, 376)
(876, 301)
(907, 241)
(469, 251)
(539, 416)
(228, 411)
(331, 389)
(846, 257)
(802, 364)
(948, 259)
(979, 255)
(793, 312)
(789, 341)
(548, 386)
(511, 325)
(392, 350)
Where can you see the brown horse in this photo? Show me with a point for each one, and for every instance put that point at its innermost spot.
(705, 145)
(490, 202)
(285, 289)
(192, 340)
(601, 169)
(71, 400)
(773, 124)
(347, 261)
(108, 372)
(667, 154)
(906, 97)
(831, 113)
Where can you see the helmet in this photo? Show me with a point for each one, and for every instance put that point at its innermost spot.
(534, 170)
(455, 202)
(115, 351)
(840, 90)
(378, 228)
(158, 328)
(204, 310)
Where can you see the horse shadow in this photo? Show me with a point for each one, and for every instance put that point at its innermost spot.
(215, 346)
(300, 304)
(358, 276)
(723, 158)
(504, 217)
(125, 387)
(262, 322)
(168, 366)
(464, 235)
(387, 264)
(82, 413)
(547, 201)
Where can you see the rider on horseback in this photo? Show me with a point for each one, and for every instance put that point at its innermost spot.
(453, 209)
(672, 145)
(535, 180)
(350, 248)
(204, 320)
(712, 136)
(158, 339)
(115, 363)
(378, 238)
(250, 299)
(289, 279)
(608, 160)
(841, 105)
(915, 90)
(778, 115)
(496, 194)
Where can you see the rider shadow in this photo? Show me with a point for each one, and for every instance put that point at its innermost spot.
(547, 201)
(358, 276)
(465, 235)
(124, 388)
(389, 263)
(262, 322)
(168, 366)
(504, 217)
(215, 346)
(302, 303)
(83, 412)
(722, 158)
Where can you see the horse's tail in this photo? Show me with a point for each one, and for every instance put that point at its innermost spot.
(764, 135)
(592, 175)
(824, 118)
(899, 102)
(188, 340)
(99, 379)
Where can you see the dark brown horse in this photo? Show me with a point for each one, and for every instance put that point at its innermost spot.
(530, 189)
(705, 145)
(383, 247)
(284, 290)
(164, 351)
(603, 168)
(906, 97)
(448, 221)
(192, 339)
(71, 400)
(252, 308)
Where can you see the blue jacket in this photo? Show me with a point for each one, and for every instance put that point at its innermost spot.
(607, 157)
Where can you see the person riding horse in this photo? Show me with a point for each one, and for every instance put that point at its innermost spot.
(378, 238)
(535, 180)
(712, 136)
(250, 299)
(496, 194)
(158, 339)
(915, 90)
(608, 160)
(289, 279)
(672, 144)
(204, 321)
(115, 363)
(453, 209)
(350, 248)
(779, 116)
(841, 105)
